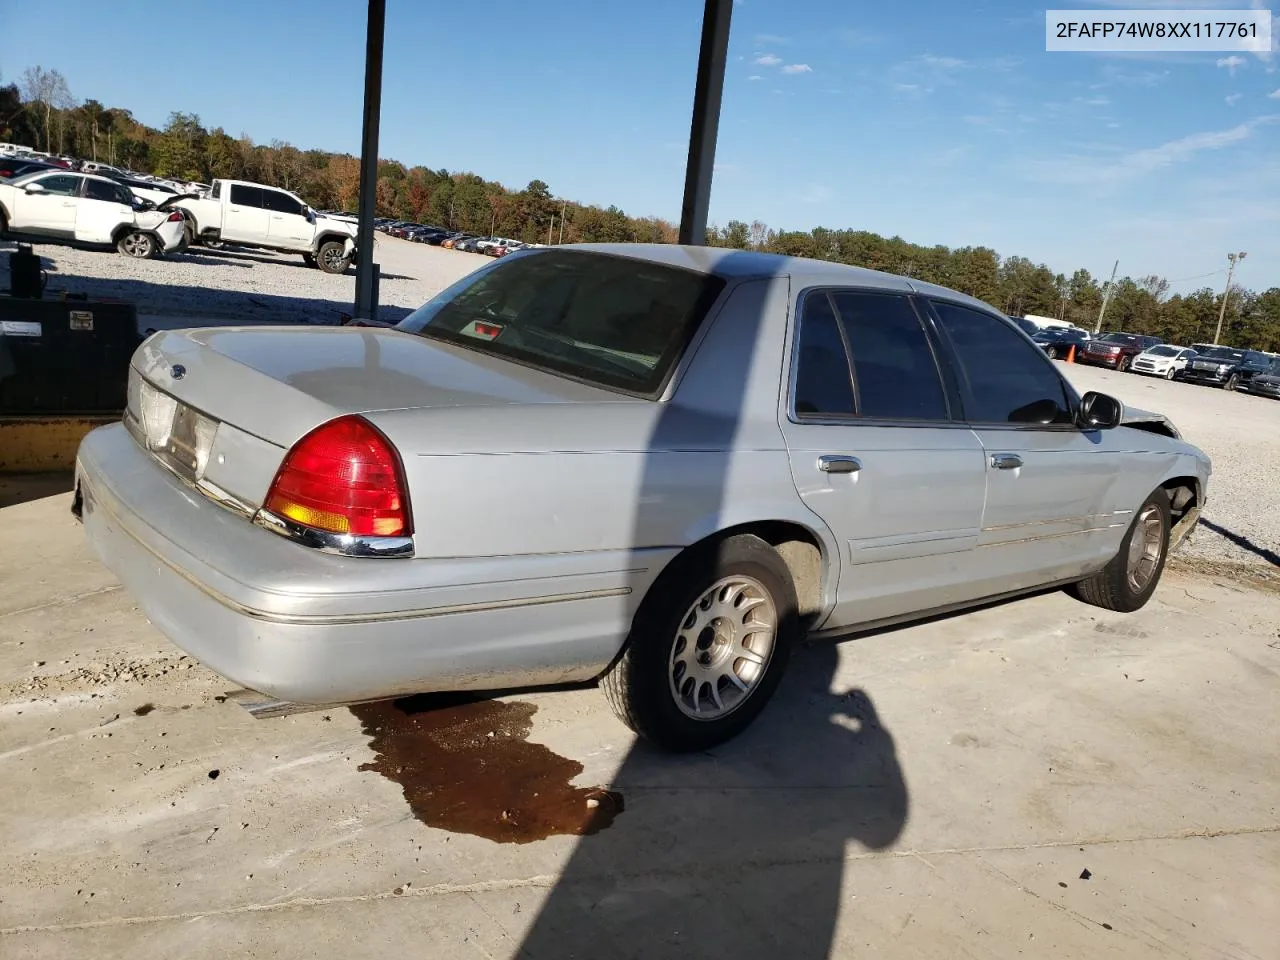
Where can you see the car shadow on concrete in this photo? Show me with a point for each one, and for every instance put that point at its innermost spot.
(1243, 542)
(17, 488)
(740, 851)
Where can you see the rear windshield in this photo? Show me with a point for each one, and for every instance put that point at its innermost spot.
(607, 320)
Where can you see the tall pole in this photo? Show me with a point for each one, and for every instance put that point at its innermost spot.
(1222, 310)
(706, 121)
(563, 204)
(366, 283)
(1106, 298)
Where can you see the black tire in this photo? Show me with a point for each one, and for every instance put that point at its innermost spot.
(4, 224)
(1111, 588)
(189, 232)
(213, 243)
(329, 257)
(1232, 383)
(137, 245)
(310, 260)
(640, 686)
(1123, 365)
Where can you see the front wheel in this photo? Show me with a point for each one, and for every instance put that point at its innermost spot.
(1123, 365)
(136, 244)
(1170, 374)
(1053, 353)
(1127, 582)
(708, 646)
(1233, 381)
(331, 259)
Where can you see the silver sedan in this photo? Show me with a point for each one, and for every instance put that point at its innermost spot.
(652, 466)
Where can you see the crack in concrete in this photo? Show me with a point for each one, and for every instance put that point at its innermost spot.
(546, 881)
(63, 601)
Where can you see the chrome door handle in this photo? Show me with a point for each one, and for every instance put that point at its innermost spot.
(1006, 461)
(835, 463)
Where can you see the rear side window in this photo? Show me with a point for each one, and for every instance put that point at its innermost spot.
(895, 372)
(246, 196)
(823, 381)
(1008, 379)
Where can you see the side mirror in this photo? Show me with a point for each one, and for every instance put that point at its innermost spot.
(1099, 412)
(35, 188)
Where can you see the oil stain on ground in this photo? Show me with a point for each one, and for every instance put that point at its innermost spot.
(466, 766)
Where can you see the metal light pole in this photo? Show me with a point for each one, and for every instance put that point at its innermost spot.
(1222, 311)
(366, 269)
(563, 204)
(706, 121)
(1106, 298)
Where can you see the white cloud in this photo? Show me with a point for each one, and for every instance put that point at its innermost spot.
(1098, 101)
(941, 63)
(1231, 63)
(815, 193)
(1234, 98)
(1089, 171)
(767, 60)
(797, 68)
(1274, 94)
(755, 76)
(771, 38)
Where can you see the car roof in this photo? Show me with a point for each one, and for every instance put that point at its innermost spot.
(732, 264)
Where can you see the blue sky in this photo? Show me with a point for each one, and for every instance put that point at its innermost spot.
(934, 120)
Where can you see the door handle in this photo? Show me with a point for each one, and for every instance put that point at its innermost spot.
(1006, 461)
(836, 463)
(277, 216)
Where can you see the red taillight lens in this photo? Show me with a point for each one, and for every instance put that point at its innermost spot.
(343, 477)
(175, 216)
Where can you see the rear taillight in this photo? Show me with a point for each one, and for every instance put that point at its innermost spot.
(344, 477)
(175, 217)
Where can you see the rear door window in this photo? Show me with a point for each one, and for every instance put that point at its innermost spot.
(895, 371)
(824, 381)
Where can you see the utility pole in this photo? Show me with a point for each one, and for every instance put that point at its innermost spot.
(1106, 298)
(563, 204)
(551, 226)
(1222, 311)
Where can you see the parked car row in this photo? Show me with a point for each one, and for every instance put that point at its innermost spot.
(450, 239)
(1204, 363)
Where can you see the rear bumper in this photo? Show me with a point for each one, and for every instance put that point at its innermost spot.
(309, 627)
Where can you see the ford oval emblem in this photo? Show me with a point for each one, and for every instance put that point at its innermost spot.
(177, 371)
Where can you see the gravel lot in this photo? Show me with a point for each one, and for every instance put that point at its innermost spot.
(248, 285)
(1240, 432)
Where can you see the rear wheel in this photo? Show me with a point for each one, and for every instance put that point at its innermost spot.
(4, 224)
(1127, 582)
(330, 257)
(708, 646)
(136, 244)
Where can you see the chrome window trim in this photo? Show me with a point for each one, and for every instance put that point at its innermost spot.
(852, 420)
(341, 544)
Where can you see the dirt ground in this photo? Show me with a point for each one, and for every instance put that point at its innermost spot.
(1037, 778)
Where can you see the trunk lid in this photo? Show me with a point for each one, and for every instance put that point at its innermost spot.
(278, 383)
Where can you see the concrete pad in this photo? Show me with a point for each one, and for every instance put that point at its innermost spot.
(920, 792)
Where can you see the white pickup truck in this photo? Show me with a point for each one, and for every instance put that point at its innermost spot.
(255, 215)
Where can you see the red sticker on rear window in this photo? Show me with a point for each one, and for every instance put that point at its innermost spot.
(489, 331)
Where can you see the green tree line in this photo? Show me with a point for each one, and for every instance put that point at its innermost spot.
(40, 112)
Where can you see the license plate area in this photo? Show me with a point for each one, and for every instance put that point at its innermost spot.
(177, 435)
